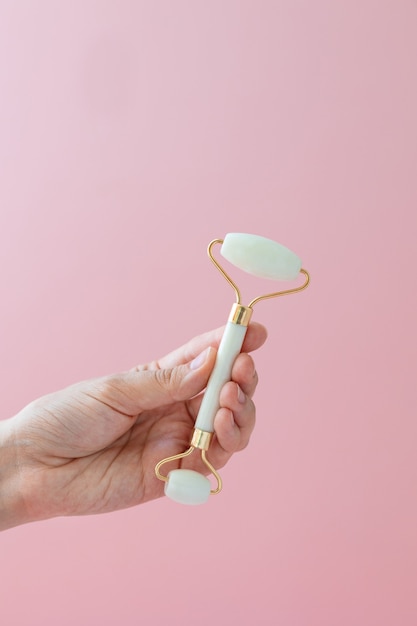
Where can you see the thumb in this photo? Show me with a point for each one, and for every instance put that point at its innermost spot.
(148, 389)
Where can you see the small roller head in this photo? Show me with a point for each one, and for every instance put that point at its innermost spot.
(260, 256)
(187, 487)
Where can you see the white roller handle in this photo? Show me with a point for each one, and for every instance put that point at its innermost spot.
(229, 348)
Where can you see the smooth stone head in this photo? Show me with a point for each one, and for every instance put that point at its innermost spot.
(187, 487)
(260, 256)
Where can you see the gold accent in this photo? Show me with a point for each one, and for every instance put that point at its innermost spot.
(252, 303)
(201, 439)
(174, 457)
(286, 292)
(221, 270)
(240, 314)
(216, 475)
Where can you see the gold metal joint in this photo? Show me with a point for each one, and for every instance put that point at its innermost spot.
(201, 439)
(216, 474)
(174, 457)
(240, 314)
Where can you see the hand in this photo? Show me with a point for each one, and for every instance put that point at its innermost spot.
(93, 447)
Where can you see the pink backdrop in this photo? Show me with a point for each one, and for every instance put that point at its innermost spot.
(131, 134)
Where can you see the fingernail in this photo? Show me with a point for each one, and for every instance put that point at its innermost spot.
(199, 360)
(240, 395)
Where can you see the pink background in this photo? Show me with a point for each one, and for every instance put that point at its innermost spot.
(131, 134)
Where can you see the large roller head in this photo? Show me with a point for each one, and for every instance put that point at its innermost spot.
(260, 256)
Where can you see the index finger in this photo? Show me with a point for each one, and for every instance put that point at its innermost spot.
(255, 337)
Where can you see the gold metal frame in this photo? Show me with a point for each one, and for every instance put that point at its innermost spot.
(201, 440)
(252, 303)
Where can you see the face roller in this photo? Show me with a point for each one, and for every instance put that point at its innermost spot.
(263, 258)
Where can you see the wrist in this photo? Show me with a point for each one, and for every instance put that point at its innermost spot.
(12, 505)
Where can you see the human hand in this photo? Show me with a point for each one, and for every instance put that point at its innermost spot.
(93, 447)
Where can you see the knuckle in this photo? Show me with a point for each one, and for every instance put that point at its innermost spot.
(105, 387)
(144, 367)
(111, 390)
(169, 379)
(164, 378)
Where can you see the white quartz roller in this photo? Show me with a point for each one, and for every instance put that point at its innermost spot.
(261, 257)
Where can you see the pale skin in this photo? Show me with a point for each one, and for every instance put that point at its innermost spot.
(92, 448)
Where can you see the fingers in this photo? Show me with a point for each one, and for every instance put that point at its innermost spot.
(244, 374)
(139, 390)
(234, 430)
(235, 421)
(176, 379)
(172, 380)
(255, 337)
